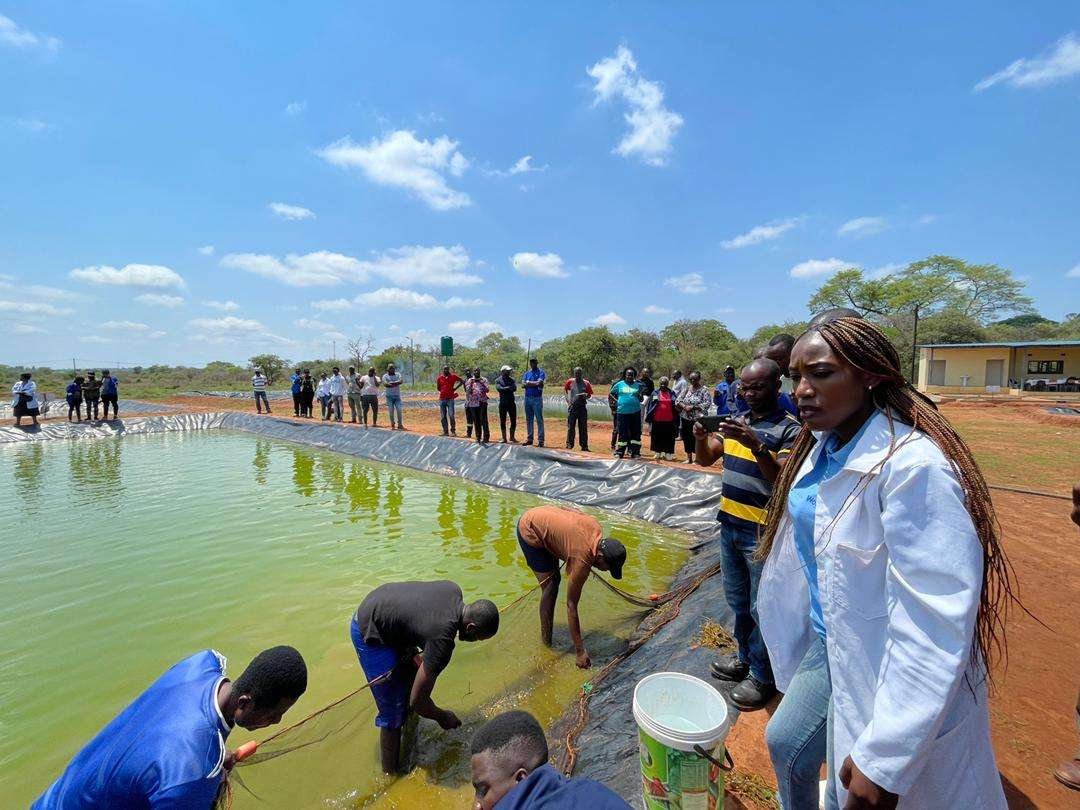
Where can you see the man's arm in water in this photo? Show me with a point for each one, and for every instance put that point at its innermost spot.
(420, 700)
(577, 579)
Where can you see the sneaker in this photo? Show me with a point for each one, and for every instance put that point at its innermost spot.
(751, 694)
(730, 669)
(526, 443)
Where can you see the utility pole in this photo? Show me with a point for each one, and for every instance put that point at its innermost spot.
(412, 362)
(73, 369)
(333, 350)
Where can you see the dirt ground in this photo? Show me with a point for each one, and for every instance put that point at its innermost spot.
(1032, 708)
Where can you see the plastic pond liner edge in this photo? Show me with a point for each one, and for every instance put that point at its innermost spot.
(597, 736)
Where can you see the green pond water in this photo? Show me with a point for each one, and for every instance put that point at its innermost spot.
(122, 556)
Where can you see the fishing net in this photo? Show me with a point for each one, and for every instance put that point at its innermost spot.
(344, 729)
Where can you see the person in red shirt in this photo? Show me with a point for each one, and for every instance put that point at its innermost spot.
(578, 390)
(661, 414)
(448, 383)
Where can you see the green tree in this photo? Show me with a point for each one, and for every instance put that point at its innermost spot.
(271, 366)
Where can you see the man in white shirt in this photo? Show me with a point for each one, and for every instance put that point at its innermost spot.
(258, 385)
(337, 390)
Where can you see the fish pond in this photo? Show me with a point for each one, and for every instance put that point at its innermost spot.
(124, 555)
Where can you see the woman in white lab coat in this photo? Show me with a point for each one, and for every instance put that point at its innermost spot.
(24, 399)
(884, 590)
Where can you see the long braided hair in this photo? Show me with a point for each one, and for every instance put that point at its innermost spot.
(863, 346)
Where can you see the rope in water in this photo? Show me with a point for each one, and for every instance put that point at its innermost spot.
(674, 598)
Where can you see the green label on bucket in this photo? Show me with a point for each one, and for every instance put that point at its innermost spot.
(679, 780)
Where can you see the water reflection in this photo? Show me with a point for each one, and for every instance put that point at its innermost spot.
(508, 517)
(474, 523)
(363, 488)
(395, 496)
(303, 472)
(29, 461)
(95, 472)
(261, 462)
(445, 515)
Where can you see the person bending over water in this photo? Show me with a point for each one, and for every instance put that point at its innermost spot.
(167, 749)
(391, 624)
(549, 535)
(510, 771)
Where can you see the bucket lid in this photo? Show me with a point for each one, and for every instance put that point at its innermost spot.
(662, 699)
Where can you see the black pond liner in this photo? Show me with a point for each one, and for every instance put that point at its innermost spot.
(677, 498)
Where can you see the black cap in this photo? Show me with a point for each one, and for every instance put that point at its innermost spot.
(614, 554)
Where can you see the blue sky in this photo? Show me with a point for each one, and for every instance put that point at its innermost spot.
(188, 182)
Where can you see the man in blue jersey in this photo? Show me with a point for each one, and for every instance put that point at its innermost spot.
(510, 771)
(167, 749)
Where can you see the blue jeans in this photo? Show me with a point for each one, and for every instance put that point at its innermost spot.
(741, 575)
(534, 410)
(799, 734)
(393, 405)
(446, 414)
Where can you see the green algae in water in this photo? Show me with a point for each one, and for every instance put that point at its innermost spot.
(122, 556)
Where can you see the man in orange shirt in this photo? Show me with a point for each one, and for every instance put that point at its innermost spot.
(549, 535)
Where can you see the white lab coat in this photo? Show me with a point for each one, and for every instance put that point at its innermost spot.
(30, 389)
(899, 576)
(322, 389)
(337, 386)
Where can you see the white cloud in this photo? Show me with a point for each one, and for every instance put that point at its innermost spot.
(926, 219)
(292, 213)
(1074, 273)
(319, 269)
(160, 300)
(653, 309)
(652, 125)
(33, 308)
(885, 270)
(761, 233)
(222, 306)
(23, 329)
(688, 283)
(39, 290)
(396, 297)
(401, 160)
(812, 268)
(522, 165)
(609, 319)
(540, 265)
(94, 339)
(12, 34)
(1061, 62)
(318, 326)
(863, 226)
(483, 327)
(33, 125)
(333, 305)
(295, 107)
(206, 250)
(231, 329)
(130, 275)
(435, 266)
(127, 326)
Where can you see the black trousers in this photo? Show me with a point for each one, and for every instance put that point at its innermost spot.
(629, 425)
(92, 402)
(663, 436)
(508, 409)
(296, 400)
(307, 399)
(480, 422)
(686, 430)
(577, 417)
(106, 401)
(370, 402)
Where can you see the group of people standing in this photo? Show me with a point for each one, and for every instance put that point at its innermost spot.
(477, 395)
(88, 390)
(336, 390)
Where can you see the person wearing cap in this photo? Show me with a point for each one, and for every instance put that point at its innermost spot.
(552, 535)
(506, 385)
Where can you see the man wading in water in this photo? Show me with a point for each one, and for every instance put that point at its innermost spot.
(391, 624)
(549, 535)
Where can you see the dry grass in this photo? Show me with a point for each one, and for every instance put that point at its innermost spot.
(751, 789)
(715, 637)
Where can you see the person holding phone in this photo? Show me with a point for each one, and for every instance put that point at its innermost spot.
(754, 449)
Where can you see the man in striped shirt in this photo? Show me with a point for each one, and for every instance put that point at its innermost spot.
(754, 449)
(258, 384)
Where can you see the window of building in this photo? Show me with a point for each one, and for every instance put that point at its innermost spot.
(1046, 366)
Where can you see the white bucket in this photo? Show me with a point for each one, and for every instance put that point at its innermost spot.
(681, 711)
(679, 715)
